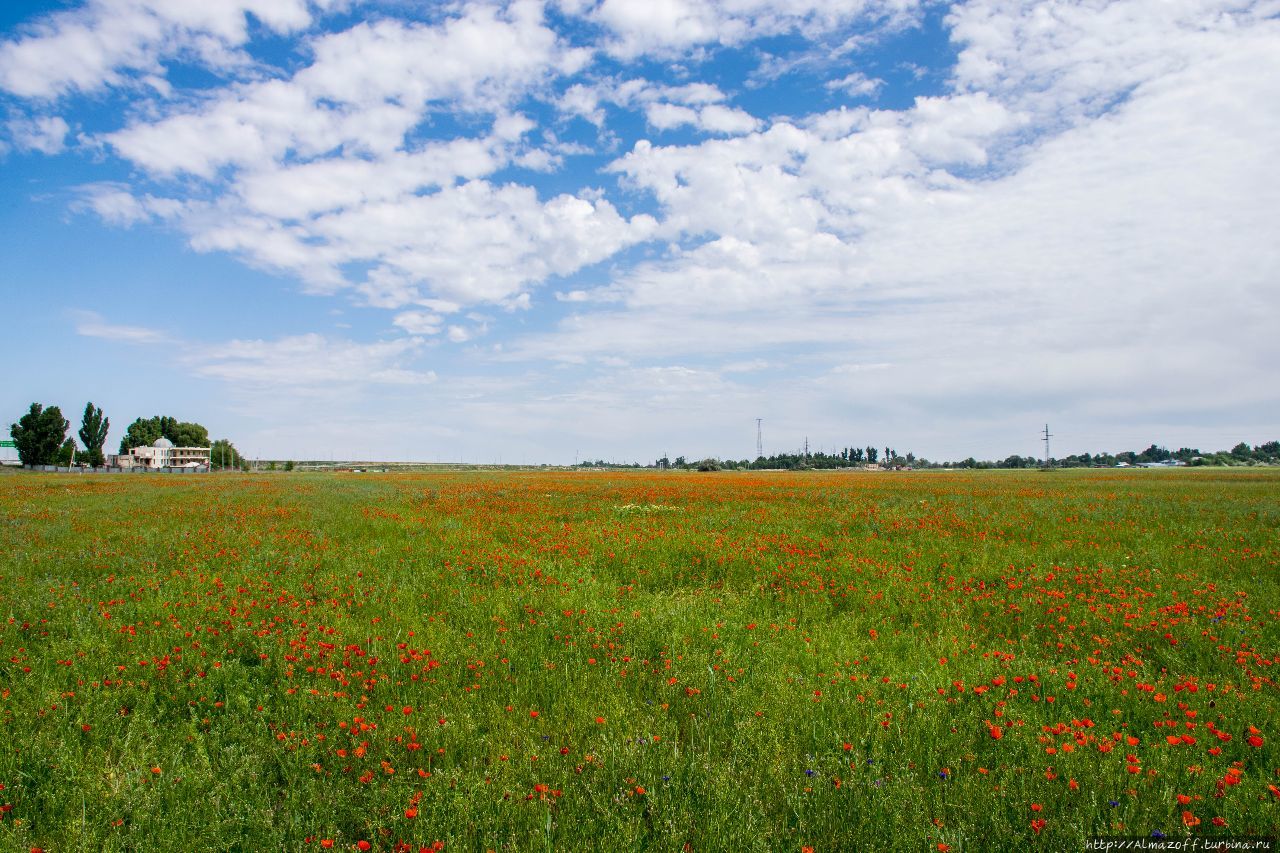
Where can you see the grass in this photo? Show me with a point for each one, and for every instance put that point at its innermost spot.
(637, 661)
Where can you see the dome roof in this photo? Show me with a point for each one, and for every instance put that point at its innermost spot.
(162, 442)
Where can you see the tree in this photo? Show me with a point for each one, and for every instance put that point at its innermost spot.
(223, 455)
(66, 453)
(93, 434)
(39, 435)
(872, 453)
(288, 466)
(144, 432)
(184, 434)
(1154, 453)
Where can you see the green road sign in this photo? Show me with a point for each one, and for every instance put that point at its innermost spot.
(8, 444)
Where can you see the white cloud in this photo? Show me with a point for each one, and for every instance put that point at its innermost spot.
(97, 45)
(419, 322)
(91, 325)
(366, 88)
(309, 361)
(320, 173)
(856, 85)
(714, 118)
(45, 134)
(1075, 277)
(667, 27)
(115, 204)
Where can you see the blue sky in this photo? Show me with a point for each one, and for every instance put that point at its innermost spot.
(541, 231)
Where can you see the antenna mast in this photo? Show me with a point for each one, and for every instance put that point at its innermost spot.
(1047, 436)
(759, 438)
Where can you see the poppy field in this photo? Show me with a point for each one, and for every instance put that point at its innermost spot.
(637, 661)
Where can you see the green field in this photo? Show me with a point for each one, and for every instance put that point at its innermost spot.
(618, 661)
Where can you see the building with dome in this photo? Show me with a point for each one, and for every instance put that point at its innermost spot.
(162, 453)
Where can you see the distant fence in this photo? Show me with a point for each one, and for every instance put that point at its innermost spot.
(62, 469)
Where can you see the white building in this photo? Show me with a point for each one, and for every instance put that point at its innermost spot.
(163, 454)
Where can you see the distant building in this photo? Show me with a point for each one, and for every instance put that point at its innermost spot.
(162, 454)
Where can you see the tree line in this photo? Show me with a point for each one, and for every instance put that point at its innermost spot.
(40, 437)
(857, 457)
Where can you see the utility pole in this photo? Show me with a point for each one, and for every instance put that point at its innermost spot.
(759, 438)
(1047, 436)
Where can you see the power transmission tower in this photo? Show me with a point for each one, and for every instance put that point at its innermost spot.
(759, 438)
(1047, 436)
(806, 447)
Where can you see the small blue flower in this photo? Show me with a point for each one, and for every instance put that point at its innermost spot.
(1157, 834)
(809, 772)
(666, 778)
(1114, 803)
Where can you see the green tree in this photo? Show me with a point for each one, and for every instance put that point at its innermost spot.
(39, 435)
(289, 466)
(66, 453)
(93, 434)
(872, 453)
(145, 431)
(141, 433)
(223, 455)
(185, 434)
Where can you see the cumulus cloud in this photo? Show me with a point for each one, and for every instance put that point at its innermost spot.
(666, 27)
(856, 85)
(44, 134)
(105, 42)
